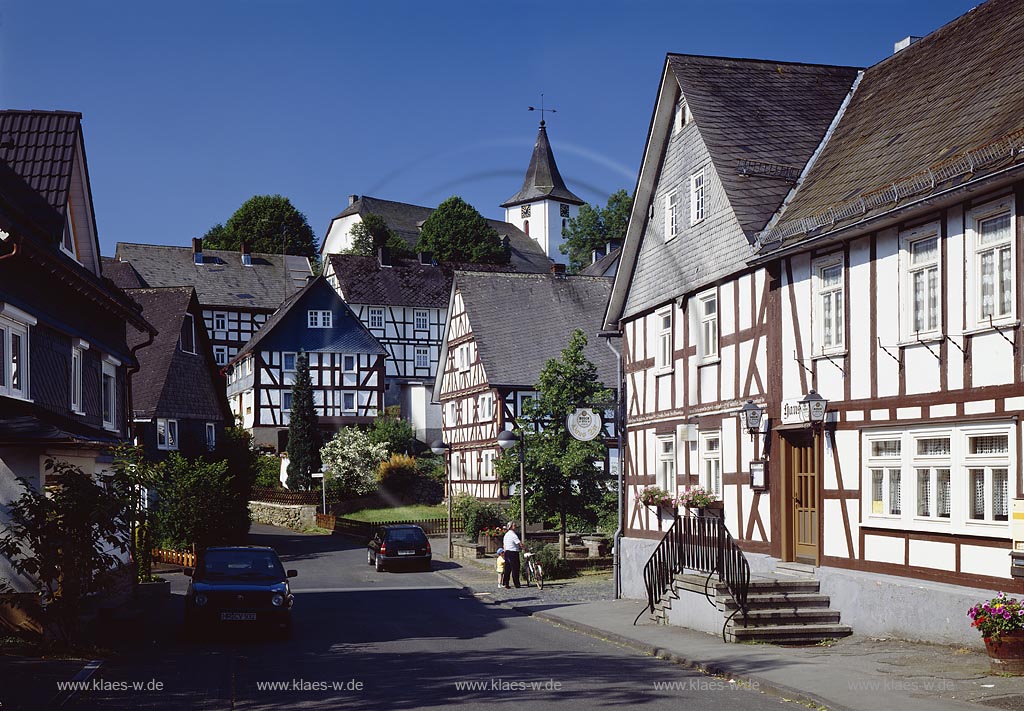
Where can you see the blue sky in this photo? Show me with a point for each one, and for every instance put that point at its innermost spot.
(192, 107)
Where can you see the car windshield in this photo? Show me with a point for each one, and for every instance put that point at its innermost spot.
(408, 537)
(242, 564)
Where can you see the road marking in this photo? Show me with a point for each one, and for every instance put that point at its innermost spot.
(375, 588)
(62, 698)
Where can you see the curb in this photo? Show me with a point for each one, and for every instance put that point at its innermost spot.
(763, 685)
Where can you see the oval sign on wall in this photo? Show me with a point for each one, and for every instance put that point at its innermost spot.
(584, 424)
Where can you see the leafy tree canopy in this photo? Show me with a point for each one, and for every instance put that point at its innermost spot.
(456, 232)
(594, 227)
(373, 233)
(563, 476)
(266, 222)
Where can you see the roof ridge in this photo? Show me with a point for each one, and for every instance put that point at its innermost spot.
(755, 60)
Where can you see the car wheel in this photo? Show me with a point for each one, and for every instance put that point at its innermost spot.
(380, 564)
(369, 557)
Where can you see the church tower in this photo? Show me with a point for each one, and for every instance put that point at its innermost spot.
(543, 206)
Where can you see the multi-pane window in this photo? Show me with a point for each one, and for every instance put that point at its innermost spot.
(707, 313)
(671, 215)
(487, 464)
(829, 303)
(994, 272)
(697, 209)
(288, 362)
(422, 357)
(663, 353)
(211, 436)
(988, 477)
(421, 319)
(14, 356)
(931, 469)
(666, 472)
(922, 278)
(166, 434)
(376, 318)
(220, 321)
(317, 318)
(188, 334)
(711, 462)
(885, 467)
(220, 355)
(109, 395)
(76, 380)
(485, 407)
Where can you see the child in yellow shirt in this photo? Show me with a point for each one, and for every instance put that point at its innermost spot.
(499, 564)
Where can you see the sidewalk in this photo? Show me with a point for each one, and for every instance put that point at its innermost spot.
(852, 674)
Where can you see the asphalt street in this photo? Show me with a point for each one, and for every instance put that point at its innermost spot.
(402, 640)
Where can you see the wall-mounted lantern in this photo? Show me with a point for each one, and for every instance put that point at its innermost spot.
(812, 409)
(750, 418)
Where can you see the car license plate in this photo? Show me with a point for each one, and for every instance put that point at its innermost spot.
(406, 552)
(239, 616)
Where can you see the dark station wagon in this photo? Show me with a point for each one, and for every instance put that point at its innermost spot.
(398, 545)
(242, 586)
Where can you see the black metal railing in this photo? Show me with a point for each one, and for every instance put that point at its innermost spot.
(701, 544)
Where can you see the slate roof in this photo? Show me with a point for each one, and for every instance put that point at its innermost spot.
(955, 90)
(542, 181)
(221, 280)
(40, 147)
(520, 321)
(33, 214)
(286, 329)
(602, 265)
(170, 382)
(122, 274)
(772, 112)
(405, 220)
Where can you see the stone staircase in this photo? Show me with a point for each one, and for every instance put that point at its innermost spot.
(780, 610)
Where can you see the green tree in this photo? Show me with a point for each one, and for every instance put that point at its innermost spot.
(456, 232)
(236, 448)
(303, 435)
(594, 227)
(563, 476)
(350, 463)
(197, 505)
(372, 233)
(269, 224)
(394, 433)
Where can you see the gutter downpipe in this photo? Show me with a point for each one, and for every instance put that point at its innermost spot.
(619, 424)
(14, 250)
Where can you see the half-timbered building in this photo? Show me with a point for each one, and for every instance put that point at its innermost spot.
(346, 367)
(65, 361)
(493, 353)
(237, 290)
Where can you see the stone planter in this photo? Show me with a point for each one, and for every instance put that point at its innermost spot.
(1007, 655)
(491, 544)
(596, 545)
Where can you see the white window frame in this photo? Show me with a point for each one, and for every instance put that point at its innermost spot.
(829, 299)
(931, 324)
(671, 216)
(487, 464)
(349, 363)
(885, 467)
(682, 117)
(9, 328)
(319, 318)
(935, 469)
(188, 325)
(77, 376)
(665, 473)
(452, 413)
(375, 317)
(220, 321)
(286, 407)
(69, 235)
(166, 434)
(420, 320)
(248, 365)
(707, 327)
(698, 196)
(711, 461)
(109, 371)
(220, 355)
(976, 251)
(284, 361)
(424, 352)
(346, 398)
(211, 436)
(663, 352)
(988, 465)
(485, 407)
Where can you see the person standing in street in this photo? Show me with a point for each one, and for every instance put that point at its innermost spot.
(512, 545)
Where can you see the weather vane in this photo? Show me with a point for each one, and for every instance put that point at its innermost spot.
(542, 109)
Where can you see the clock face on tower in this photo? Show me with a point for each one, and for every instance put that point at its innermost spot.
(563, 210)
(524, 211)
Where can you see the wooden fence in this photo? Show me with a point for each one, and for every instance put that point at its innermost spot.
(364, 529)
(183, 558)
(284, 496)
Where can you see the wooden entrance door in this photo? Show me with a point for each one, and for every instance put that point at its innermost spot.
(803, 465)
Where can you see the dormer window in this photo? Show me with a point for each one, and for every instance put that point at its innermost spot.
(67, 242)
(188, 334)
(246, 260)
(319, 319)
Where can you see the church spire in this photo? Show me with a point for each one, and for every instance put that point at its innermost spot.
(543, 181)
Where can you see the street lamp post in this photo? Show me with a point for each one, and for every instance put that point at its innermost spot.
(506, 440)
(439, 448)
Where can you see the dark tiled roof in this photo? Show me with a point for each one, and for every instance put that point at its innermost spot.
(405, 219)
(543, 181)
(170, 382)
(602, 265)
(221, 280)
(36, 217)
(955, 90)
(40, 147)
(520, 321)
(122, 274)
(772, 112)
(286, 329)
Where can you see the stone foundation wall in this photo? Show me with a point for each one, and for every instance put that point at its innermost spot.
(294, 516)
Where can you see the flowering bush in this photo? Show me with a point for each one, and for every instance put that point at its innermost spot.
(998, 616)
(655, 496)
(696, 496)
(493, 531)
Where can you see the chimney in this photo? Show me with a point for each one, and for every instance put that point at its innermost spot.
(611, 247)
(197, 250)
(904, 43)
(352, 199)
(557, 269)
(595, 255)
(384, 256)
(246, 256)
(425, 258)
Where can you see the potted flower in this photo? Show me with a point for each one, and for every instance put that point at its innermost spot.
(1001, 623)
(699, 500)
(655, 497)
(490, 538)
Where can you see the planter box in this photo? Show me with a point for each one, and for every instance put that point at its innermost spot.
(491, 544)
(1007, 655)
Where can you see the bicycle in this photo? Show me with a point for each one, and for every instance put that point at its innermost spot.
(533, 571)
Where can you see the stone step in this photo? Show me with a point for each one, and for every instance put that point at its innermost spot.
(789, 634)
(771, 600)
(794, 569)
(790, 586)
(787, 616)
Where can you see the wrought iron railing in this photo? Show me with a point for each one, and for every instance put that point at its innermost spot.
(701, 544)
